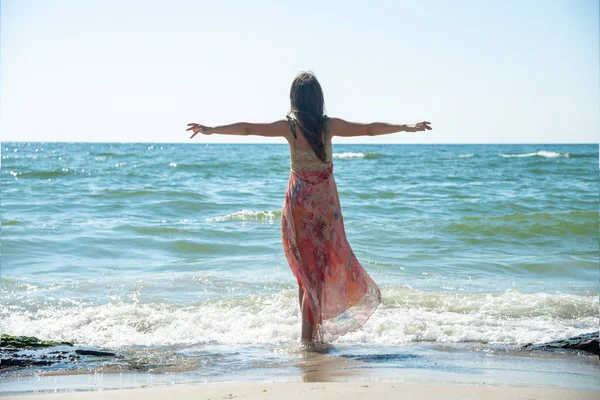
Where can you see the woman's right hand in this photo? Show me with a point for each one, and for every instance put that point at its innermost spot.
(419, 127)
(197, 128)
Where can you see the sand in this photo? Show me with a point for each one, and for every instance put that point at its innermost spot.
(316, 391)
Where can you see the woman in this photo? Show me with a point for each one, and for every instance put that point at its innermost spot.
(336, 294)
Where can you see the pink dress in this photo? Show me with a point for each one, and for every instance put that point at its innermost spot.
(341, 296)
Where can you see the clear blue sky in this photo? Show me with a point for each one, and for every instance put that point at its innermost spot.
(482, 71)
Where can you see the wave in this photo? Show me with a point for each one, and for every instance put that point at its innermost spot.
(55, 173)
(195, 247)
(209, 166)
(583, 155)
(573, 223)
(157, 230)
(406, 315)
(356, 155)
(538, 217)
(11, 222)
(124, 193)
(542, 153)
(465, 155)
(148, 191)
(248, 215)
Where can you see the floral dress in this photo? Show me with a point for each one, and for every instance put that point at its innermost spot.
(340, 295)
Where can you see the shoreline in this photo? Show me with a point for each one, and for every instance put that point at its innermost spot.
(328, 390)
(411, 365)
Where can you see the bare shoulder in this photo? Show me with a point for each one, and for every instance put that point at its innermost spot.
(336, 125)
(282, 126)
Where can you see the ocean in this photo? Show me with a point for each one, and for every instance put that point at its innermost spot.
(171, 254)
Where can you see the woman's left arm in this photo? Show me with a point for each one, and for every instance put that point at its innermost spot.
(273, 129)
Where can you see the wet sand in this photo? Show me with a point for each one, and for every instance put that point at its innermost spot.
(314, 391)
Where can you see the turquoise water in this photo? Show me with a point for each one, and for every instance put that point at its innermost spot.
(178, 246)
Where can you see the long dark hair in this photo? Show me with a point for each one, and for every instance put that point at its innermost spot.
(308, 106)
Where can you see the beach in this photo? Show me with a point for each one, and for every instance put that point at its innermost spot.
(293, 391)
(167, 259)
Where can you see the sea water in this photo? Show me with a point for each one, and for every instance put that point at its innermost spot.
(171, 254)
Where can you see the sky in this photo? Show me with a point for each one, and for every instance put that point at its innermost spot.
(138, 71)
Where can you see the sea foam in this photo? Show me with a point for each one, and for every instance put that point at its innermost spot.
(406, 315)
(542, 153)
(348, 155)
(355, 155)
(248, 215)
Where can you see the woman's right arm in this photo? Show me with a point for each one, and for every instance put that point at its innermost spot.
(340, 127)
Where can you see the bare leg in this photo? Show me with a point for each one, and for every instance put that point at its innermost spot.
(307, 326)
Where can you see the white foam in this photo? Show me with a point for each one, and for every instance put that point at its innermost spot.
(348, 155)
(511, 318)
(542, 153)
(406, 315)
(465, 155)
(248, 215)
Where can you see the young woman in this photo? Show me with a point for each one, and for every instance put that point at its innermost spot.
(336, 294)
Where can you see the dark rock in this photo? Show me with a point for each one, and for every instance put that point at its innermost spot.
(95, 353)
(589, 342)
(12, 362)
(28, 351)
(27, 342)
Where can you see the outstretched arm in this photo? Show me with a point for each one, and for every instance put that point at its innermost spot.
(273, 129)
(340, 127)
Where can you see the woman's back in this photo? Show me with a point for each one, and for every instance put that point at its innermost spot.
(302, 156)
(302, 160)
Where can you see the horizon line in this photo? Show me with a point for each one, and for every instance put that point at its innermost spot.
(281, 144)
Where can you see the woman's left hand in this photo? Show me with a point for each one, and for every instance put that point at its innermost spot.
(197, 128)
(419, 127)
